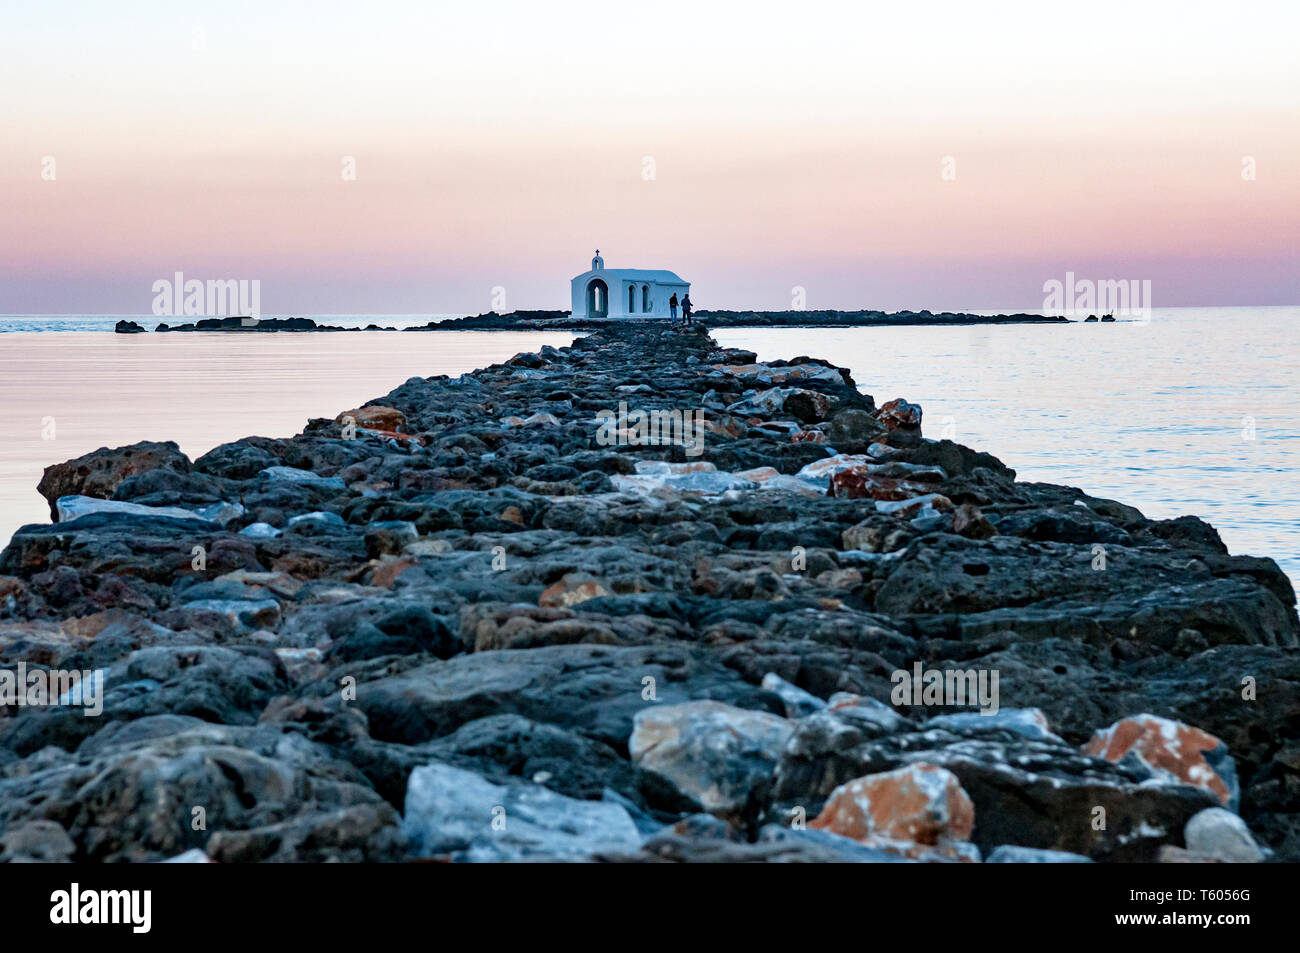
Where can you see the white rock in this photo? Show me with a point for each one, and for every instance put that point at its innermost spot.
(765, 374)
(703, 481)
(259, 531)
(663, 468)
(862, 708)
(71, 507)
(540, 420)
(928, 520)
(701, 478)
(221, 513)
(1220, 833)
(1012, 854)
(1028, 722)
(402, 529)
(294, 475)
(427, 547)
(454, 812)
(823, 470)
(883, 451)
(299, 663)
(923, 504)
(317, 518)
(191, 856)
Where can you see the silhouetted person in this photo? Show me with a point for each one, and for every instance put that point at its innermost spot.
(672, 306)
(686, 308)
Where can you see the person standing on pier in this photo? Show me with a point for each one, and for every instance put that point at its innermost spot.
(686, 308)
(672, 307)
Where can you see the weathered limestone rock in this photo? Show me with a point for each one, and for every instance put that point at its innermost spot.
(1179, 752)
(905, 811)
(721, 756)
(98, 473)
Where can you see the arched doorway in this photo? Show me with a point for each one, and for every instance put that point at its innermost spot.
(631, 299)
(645, 299)
(597, 299)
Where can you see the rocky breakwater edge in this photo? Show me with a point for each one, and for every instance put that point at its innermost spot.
(491, 618)
(863, 318)
(564, 321)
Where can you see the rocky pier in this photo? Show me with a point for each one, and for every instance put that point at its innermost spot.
(638, 599)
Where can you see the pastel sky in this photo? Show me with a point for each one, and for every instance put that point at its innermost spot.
(752, 147)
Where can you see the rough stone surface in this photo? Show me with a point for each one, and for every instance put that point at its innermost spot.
(1171, 749)
(919, 804)
(721, 756)
(644, 651)
(457, 814)
(99, 472)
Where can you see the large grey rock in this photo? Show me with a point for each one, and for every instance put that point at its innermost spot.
(457, 813)
(594, 688)
(506, 747)
(135, 800)
(296, 475)
(721, 756)
(72, 507)
(213, 683)
(99, 473)
(36, 842)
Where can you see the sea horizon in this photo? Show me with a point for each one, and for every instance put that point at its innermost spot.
(97, 321)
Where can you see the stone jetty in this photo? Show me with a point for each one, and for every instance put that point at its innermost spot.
(638, 599)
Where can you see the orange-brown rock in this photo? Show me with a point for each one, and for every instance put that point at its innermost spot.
(919, 804)
(98, 473)
(1172, 748)
(571, 590)
(899, 413)
(492, 626)
(375, 417)
(859, 483)
(386, 573)
(808, 436)
(724, 425)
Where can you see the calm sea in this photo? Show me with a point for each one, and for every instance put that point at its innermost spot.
(1196, 411)
(105, 322)
(66, 393)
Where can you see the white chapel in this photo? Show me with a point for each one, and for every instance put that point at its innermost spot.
(624, 292)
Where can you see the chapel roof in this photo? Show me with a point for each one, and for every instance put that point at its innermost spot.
(640, 274)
